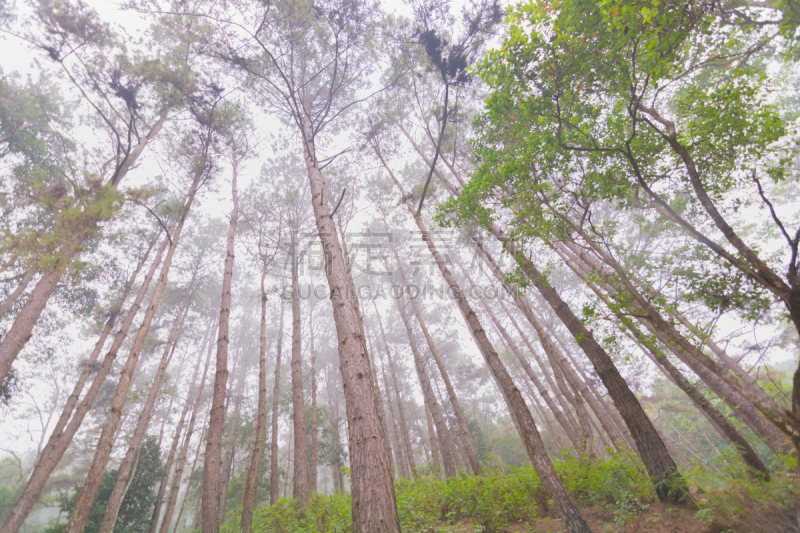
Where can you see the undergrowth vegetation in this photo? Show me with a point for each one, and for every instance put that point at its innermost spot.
(503, 495)
(725, 494)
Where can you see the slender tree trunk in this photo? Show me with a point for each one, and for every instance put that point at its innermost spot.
(84, 227)
(667, 480)
(715, 417)
(172, 497)
(173, 449)
(374, 505)
(229, 455)
(126, 470)
(256, 451)
(198, 515)
(334, 420)
(400, 411)
(724, 382)
(68, 424)
(669, 484)
(23, 284)
(553, 354)
(80, 511)
(587, 441)
(274, 475)
(300, 484)
(567, 510)
(442, 431)
(435, 455)
(466, 438)
(216, 423)
(566, 424)
(380, 402)
(313, 459)
(399, 460)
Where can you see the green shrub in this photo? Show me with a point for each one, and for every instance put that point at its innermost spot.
(504, 494)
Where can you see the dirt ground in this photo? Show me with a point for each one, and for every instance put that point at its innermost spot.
(660, 518)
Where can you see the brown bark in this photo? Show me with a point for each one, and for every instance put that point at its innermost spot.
(374, 506)
(399, 459)
(554, 355)
(126, 468)
(442, 431)
(400, 411)
(229, 453)
(566, 509)
(667, 480)
(466, 438)
(380, 402)
(756, 396)
(68, 424)
(173, 449)
(708, 370)
(333, 418)
(257, 448)
(175, 485)
(566, 424)
(274, 475)
(300, 484)
(435, 455)
(314, 445)
(212, 464)
(15, 294)
(83, 228)
(80, 511)
(198, 514)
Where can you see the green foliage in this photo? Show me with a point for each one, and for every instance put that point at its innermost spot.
(731, 495)
(616, 478)
(490, 502)
(135, 513)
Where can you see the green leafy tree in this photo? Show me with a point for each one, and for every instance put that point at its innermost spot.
(135, 513)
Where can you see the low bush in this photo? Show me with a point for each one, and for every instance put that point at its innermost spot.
(504, 494)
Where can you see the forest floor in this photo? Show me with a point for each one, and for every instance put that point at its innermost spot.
(657, 518)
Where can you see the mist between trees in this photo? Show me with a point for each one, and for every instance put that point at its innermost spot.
(350, 266)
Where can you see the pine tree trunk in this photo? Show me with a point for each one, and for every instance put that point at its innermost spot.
(442, 431)
(216, 424)
(198, 515)
(567, 510)
(466, 438)
(229, 455)
(435, 455)
(68, 424)
(254, 463)
(173, 448)
(86, 226)
(566, 424)
(313, 459)
(80, 511)
(374, 506)
(667, 480)
(737, 394)
(274, 475)
(23, 284)
(399, 460)
(126, 471)
(334, 421)
(719, 421)
(172, 497)
(400, 411)
(300, 484)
